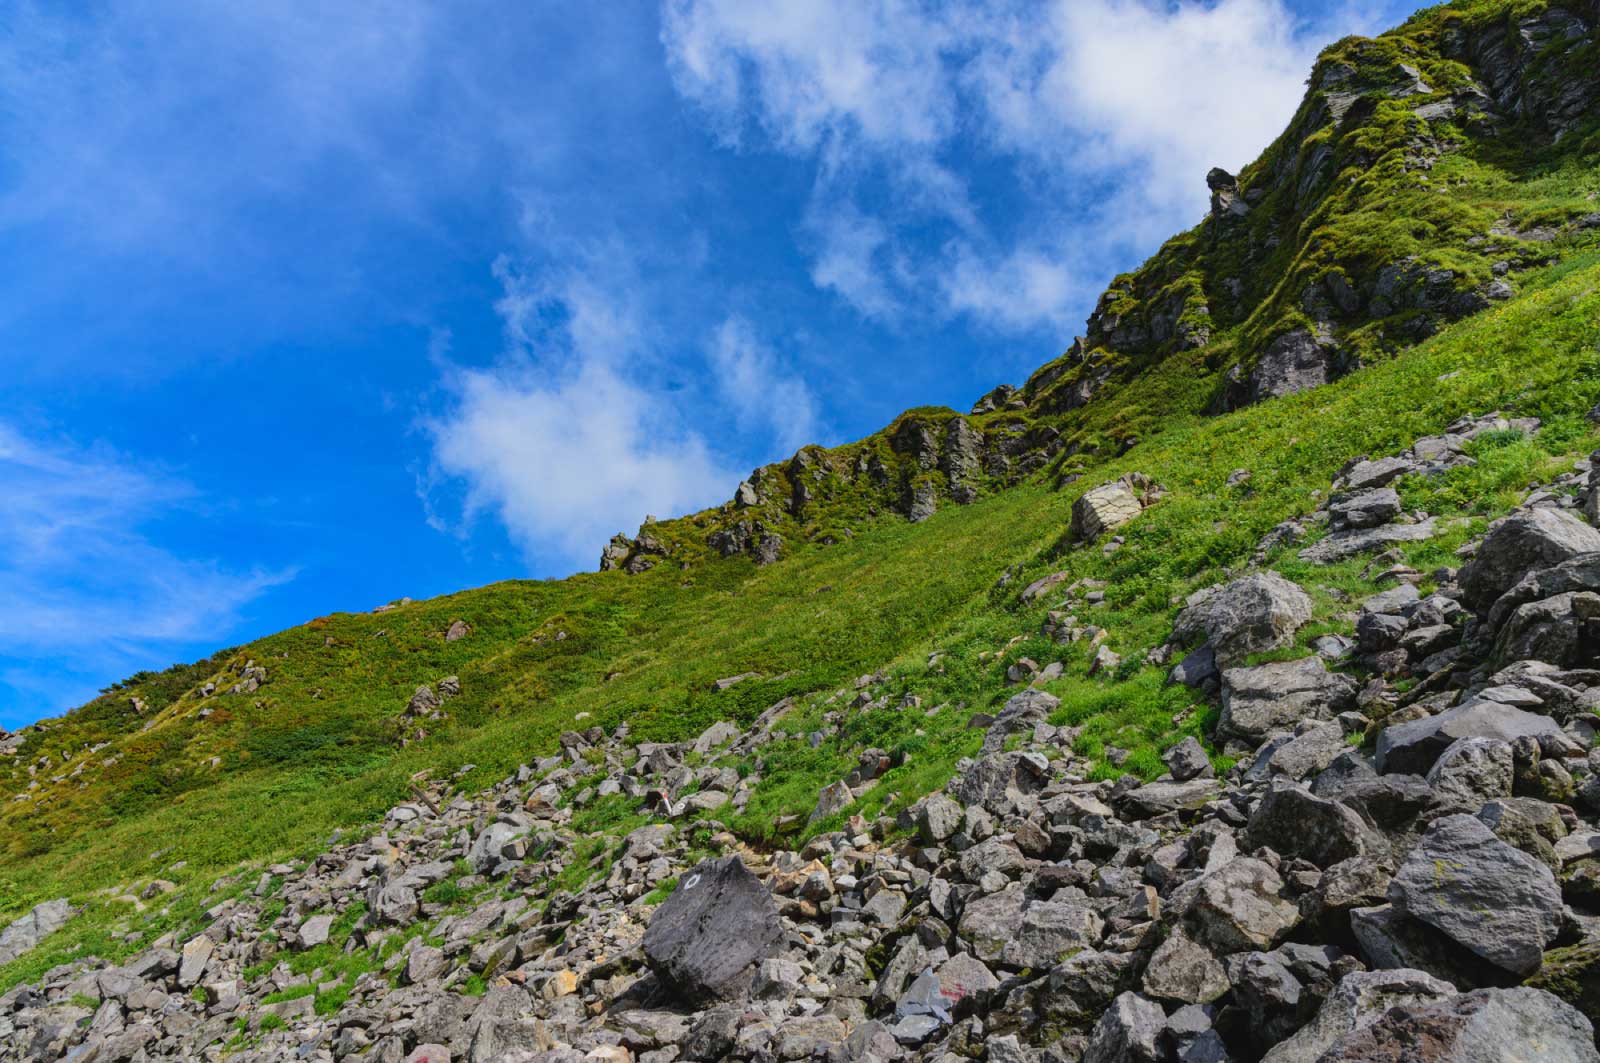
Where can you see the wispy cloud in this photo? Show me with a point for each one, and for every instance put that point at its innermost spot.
(1110, 111)
(763, 392)
(560, 438)
(83, 586)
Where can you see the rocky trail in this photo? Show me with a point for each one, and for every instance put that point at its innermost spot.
(1404, 863)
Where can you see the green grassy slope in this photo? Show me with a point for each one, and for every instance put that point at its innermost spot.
(191, 786)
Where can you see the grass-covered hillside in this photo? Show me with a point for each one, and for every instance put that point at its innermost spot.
(174, 776)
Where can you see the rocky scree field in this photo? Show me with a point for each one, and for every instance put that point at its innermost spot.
(1225, 692)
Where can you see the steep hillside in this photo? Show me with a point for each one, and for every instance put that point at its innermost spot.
(1421, 244)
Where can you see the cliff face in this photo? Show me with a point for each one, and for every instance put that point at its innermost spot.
(1414, 184)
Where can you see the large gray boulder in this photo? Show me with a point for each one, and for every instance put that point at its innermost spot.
(1251, 615)
(1275, 697)
(1357, 1002)
(1563, 629)
(705, 940)
(1532, 539)
(1128, 1032)
(1472, 771)
(26, 933)
(1483, 1026)
(1294, 822)
(1237, 907)
(1011, 929)
(1488, 897)
(1413, 747)
(1022, 712)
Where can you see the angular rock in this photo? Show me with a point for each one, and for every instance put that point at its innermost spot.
(1128, 1032)
(1359, 1000)
(1482, 1026)
(1188, 760)
(1531, 539)
(1098, 511)
(1412, 748)
(1470, 772)
(705, 940)
(1182, 971)
(1486, 896)
(1239, 906)
(1275, 697)
(1364, 509)
(1341, 545)
(1294, 822)
(27, 932)
(1254, 614)
(1010, 928)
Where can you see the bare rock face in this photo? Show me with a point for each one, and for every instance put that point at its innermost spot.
(705, 941)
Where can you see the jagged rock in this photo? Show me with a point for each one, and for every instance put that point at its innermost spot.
(1022, 712)
(1011, 929)
(1184, 972)
(1532, 539)
(1359, 1000)
(1239, 906)
(705, 940)
(1294, 822)
(1111, 506)
(1128, 1032)
(1342, 545)
(493, 844)
(457, 631)
(1413, 747)
(1188, 760)
(1275, 697)
(1157, 798)
(999, 781)
(40, 922)
(1254, 614)
(1309, 753)
(1470, 772)
(1563, 629)
(938, 818)
(1477, 1027)
(196, 954)
(1297, 360)
(1496, 901)
(1364, 509)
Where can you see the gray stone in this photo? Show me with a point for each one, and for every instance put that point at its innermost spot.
(1294, 822)
(1340, 545)
(1413, 747)
(488, 848)
(1239, 906)
(1532, 539)
(1022, 712)
(1275, 697)
(704, 941)
(1490, 898)
(1105, 507)
(1254, 614)
(1359, 1000)
(1011, 929)
(1364, 509)
(1128, 1032)
(314, 931)
(938, 817)
(1483, 1026)
(39, 923)
(1188, 760)
(1181, 971)
(1309, 753)
(1471, 771)
(196, 954)
(1154, 799)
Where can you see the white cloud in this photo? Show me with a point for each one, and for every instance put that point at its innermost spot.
(1110, 109)
(81, 584)
(560, 439)
(762, 392)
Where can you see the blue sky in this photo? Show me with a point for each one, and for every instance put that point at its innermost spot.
(311, 307)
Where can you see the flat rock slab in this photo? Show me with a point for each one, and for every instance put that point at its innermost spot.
(1412, 748)
(1346, 544)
